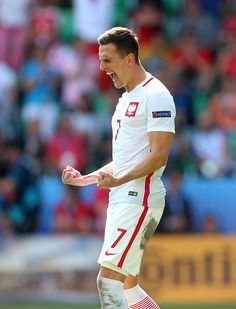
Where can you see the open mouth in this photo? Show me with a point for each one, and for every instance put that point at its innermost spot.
(114, 77)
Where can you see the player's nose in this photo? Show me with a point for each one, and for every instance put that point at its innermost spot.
(102, 66)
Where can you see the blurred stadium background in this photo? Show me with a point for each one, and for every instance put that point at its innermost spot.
(55, 110)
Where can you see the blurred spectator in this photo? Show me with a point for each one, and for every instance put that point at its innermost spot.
(171, 8)
(40, 84)
(103, 152)
(176, 217)
(230, 6)
(20, 197)
(8, 90)
(85, 122)
(156, 54)
(14, 17)
(73, 215)
(7, 195)
(79, 70)
(188, 56)
(214, 8)
(181, 156)
(122, 10)
(51, 192)
(34, 144)
(100, 207)
(204, 25)
(205, 84)
(210, 224)
(66, 147)
(211, 148)
(44, 22)
(182, 94)
(226, 59)
(147, 20)
(104, 105)
(91, 18)
(222, 105)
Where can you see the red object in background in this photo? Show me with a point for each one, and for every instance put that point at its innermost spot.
(44, 22)
(93, 48)
(67, 147)
(105, 82)
(147, 21)
(229, 24)
(102, 196)
(231, 67)
(180, 57)
(74, 218)
(101, 201)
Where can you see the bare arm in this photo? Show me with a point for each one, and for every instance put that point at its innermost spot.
(160, 143)
(71, 176)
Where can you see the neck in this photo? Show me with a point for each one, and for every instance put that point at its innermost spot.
(136, 77)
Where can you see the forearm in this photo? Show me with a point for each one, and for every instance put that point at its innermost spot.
(92, 178)
(147, 166)
(73, 177)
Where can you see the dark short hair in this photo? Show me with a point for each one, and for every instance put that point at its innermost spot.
(124, 39)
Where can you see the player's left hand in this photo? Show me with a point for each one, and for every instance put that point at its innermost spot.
(106, 180)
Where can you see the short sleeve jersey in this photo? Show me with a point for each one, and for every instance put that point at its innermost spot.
(147, 108)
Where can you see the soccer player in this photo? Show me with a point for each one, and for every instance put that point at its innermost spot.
(143, 129)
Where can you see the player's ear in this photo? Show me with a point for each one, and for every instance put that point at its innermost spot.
(130, 59)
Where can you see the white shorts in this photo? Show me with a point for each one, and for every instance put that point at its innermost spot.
(128, 230)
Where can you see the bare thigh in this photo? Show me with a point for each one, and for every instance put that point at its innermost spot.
(112, 274)
(130, 282)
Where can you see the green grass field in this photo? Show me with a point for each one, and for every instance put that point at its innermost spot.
(61, 306)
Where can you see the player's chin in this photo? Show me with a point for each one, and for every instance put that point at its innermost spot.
(118, 84)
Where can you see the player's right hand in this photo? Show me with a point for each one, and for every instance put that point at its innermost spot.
(71, 176)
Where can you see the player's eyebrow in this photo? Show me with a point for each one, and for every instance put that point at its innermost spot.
(103, 58)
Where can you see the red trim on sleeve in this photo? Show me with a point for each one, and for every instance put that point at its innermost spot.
(148, 81)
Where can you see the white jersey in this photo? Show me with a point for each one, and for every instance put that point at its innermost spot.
(148, 107)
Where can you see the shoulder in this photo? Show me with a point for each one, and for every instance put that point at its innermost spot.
(158, 88)
(159, 94)
(154, 87)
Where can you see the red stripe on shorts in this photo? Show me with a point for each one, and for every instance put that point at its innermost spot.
(140, 221)
(146, 303)
(148, 81)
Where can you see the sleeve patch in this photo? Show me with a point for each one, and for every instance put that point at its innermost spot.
(161, 114)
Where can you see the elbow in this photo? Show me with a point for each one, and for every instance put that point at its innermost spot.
(163, 163)
(160, 162)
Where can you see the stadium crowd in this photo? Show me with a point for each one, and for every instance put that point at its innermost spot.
(56, 105)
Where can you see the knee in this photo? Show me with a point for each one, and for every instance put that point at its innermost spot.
(111, 293)
(103, 284)
(100, 283)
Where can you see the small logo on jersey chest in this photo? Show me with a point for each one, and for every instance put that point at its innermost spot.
(133, 193)
(161, 114)
(132, 109)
